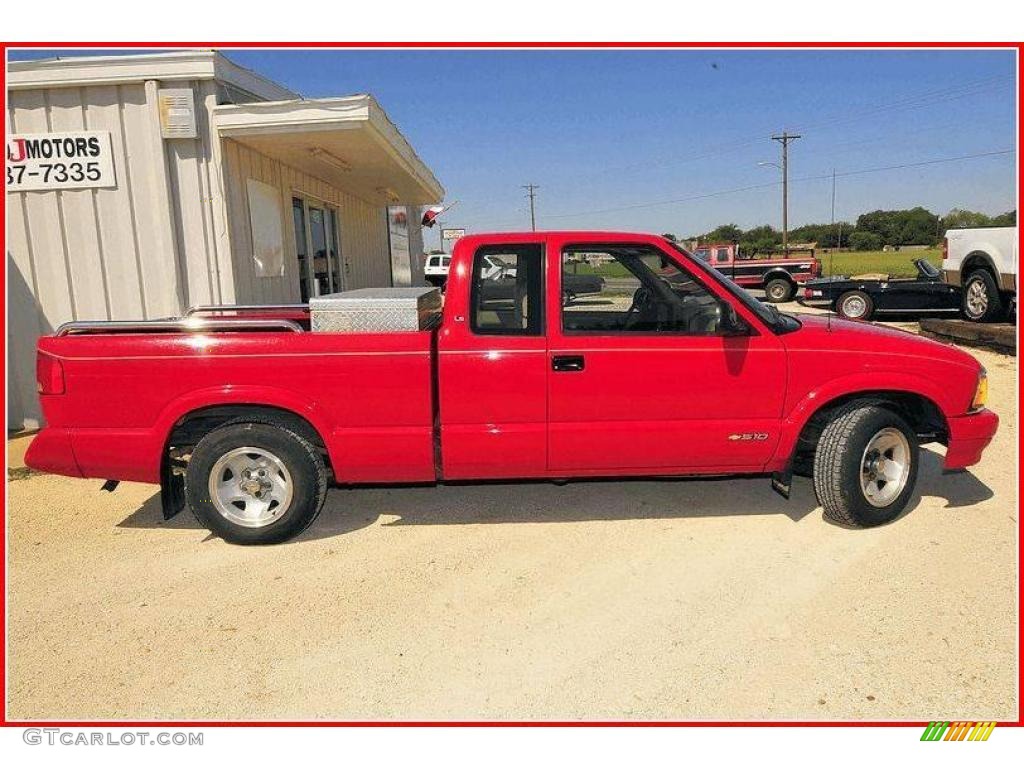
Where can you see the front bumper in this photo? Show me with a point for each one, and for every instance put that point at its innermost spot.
(968, 437)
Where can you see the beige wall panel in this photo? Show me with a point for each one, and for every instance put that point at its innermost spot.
(114, 210)
(44, 221)
(81, 234)
(151, 207)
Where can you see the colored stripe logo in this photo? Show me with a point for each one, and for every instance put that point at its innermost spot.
(959, 731)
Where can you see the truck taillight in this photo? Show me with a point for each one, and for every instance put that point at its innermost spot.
(49, 375)
(945, 248)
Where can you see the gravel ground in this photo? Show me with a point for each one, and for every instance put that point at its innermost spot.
(683, 599)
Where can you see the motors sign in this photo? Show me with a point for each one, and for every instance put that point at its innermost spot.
(77, 160)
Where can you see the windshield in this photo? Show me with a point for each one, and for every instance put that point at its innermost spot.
(767, 313)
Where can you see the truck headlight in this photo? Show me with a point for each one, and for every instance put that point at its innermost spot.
(981, 391)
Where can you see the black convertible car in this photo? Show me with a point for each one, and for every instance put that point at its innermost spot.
(861, 296)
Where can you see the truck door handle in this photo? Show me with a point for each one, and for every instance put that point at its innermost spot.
(567, 363)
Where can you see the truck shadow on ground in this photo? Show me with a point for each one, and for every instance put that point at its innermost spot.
(350, 509)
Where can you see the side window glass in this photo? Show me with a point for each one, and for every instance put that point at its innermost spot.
(506, 295)
(722, 255)
(637, 289)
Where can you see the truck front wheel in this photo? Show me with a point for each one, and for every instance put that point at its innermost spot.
(779, 289)
(865, 466)
(255, 482)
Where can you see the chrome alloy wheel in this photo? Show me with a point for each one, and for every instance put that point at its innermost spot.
(250, 487)
(977, 298)
(885, 467)
(855, 307)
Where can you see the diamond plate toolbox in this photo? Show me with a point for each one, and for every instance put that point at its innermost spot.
(376, 310)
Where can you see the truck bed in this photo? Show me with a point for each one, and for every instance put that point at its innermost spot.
(124, 392)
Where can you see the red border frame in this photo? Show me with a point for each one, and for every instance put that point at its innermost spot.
(4, 722)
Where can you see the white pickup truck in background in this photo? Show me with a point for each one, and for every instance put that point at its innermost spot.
(983, 262)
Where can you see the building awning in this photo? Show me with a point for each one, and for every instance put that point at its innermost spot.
(348, 142)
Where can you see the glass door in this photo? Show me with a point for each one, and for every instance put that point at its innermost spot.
(299, 220)
(317, 248)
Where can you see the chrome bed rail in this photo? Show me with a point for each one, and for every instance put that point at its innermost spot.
(206, 309)
(183, 325)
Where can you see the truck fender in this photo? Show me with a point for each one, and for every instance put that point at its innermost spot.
(268, 396)
(867, 383)
(775, 272)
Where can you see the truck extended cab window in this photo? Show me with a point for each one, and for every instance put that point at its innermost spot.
(639, 291)
(506, 292)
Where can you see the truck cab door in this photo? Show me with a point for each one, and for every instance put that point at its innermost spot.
(660, 373)
(492, 362)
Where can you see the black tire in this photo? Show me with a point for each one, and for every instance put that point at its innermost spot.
(855, 299)
(304, 464)
(980, 301)
(779, 289)
(838, 464)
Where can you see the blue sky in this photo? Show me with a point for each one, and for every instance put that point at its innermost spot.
(601, 131)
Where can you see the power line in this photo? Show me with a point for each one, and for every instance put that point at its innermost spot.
(750, 187)
(908, 101)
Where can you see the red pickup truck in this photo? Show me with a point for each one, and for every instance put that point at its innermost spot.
(246, 415)
(777, 275)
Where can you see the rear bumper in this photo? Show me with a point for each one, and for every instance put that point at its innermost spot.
(104, 453)
(968, 437)
(51, 451)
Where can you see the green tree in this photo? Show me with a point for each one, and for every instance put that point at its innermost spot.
(865, 241)
(960, 218)
(1008, 219)
(914, 226)
(725, 233)
(759, 240)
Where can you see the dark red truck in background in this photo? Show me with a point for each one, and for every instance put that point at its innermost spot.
(247, 415)
(778, 275)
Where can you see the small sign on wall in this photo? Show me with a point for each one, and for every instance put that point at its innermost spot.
(75, 160)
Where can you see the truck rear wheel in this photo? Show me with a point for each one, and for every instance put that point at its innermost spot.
(865, 466)
(779, 289)
(980, 300)
(255, 482)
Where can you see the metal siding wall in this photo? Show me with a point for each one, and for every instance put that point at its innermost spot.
(416, 244)
(364, 243)
(91, 253)
(190, 164)
(363, 227)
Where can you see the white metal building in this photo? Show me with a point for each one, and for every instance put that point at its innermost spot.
(140, 185)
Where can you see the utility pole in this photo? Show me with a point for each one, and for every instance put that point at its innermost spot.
(531, 193)
(784, 140)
